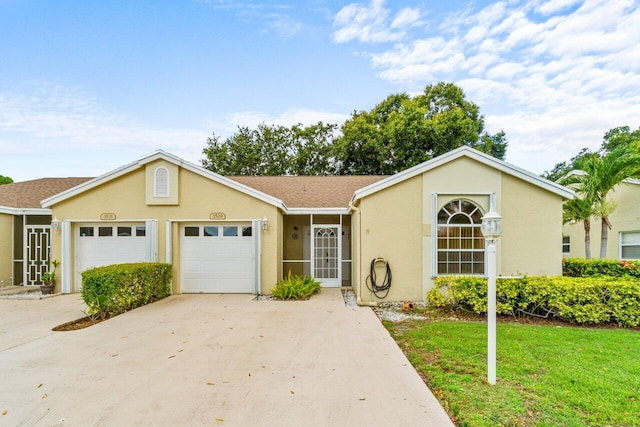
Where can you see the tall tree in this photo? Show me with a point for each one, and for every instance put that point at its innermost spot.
(560, 170)
(273, 150)
(5, 180)
(621, 136)
(403, 131)
(601, 175)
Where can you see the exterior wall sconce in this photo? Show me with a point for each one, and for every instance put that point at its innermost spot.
(55, 225)
(265, 224)
(491, 229)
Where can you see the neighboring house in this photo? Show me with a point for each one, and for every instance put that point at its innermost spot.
(244, 234)
(624, 237)
(25, 228)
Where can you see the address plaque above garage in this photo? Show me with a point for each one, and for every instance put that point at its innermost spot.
(217, 216)
(108, 216)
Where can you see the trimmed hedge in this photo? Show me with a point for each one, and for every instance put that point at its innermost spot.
(589, 300)
(114, 289)
(580, 267)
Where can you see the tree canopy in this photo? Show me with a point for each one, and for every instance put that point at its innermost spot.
(403, 131)
(615, 138)
(398, 133)
(5, 180)
(273, 150)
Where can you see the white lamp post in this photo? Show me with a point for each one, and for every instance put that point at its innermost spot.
(491, 229)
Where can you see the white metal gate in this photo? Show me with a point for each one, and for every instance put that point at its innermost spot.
(326, 250)
(37, 253)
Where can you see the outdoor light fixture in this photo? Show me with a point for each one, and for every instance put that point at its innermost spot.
(491, 226)
(491, 230)
(265, 224)
(55, 225)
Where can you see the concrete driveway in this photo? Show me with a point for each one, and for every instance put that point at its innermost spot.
(208, 360)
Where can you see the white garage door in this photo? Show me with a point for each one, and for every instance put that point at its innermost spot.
(106, 244)
(218, 258)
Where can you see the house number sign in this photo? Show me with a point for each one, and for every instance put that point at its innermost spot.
(107, 216)
(217, 215)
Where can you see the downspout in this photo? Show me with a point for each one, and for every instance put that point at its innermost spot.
(353, 208)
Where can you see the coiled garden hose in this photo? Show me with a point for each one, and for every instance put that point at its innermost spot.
(379, 290)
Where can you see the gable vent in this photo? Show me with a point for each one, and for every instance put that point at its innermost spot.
(161, 182)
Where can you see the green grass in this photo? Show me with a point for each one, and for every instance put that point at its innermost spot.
(547, 375)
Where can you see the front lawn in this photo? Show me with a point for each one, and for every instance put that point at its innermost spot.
(548, 375)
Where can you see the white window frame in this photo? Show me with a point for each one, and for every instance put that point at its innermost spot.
(437, 251)
(621, 245)
(567, 244)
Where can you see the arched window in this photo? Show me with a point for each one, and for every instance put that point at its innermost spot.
(460, 241)
(161, 182)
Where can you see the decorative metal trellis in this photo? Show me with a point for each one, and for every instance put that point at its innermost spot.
(38, 253)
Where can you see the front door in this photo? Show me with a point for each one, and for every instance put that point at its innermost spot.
(326, 254)
(38, 249)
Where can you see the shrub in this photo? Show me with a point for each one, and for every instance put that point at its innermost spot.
(114, 289)
(296, 287)
(580, 267)
(589, 300)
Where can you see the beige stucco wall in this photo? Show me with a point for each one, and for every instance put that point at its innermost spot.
(391, 227)
(531, 241)
(6, 246)
(199, 196)
(625, 217)
(398, 223)
(462, 178)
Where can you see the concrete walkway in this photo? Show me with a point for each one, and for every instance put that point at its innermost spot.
(208, 360)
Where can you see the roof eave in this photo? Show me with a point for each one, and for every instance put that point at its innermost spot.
(317, 211)
(24, 211)
(162, 155)
(456, 154)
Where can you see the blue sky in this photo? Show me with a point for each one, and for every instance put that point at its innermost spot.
(87, 86)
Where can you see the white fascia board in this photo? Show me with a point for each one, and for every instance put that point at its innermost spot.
(24, 211)
(317, 211)
(157, 155)
(472, 154)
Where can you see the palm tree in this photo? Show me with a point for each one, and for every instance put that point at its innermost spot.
(580, 209)
(601, 174)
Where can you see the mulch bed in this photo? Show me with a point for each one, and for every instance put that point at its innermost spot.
(74, 325)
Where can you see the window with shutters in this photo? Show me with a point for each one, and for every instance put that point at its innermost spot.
(161, 182)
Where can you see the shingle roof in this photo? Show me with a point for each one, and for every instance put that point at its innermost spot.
(309, 191)
(29, 194)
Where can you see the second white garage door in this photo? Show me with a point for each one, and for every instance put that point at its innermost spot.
(218, 258)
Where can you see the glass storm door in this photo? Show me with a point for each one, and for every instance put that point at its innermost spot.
(326, 250)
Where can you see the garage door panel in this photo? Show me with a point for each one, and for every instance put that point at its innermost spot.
(96, 250)
(214, 263)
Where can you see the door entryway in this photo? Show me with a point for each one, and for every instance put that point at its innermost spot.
(38, 251)
(326, 248)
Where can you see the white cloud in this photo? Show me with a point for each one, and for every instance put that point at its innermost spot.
(372, 23)
(283, 25)
(252, 119)
(407, 17)
(556, 75)
(53, 125)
